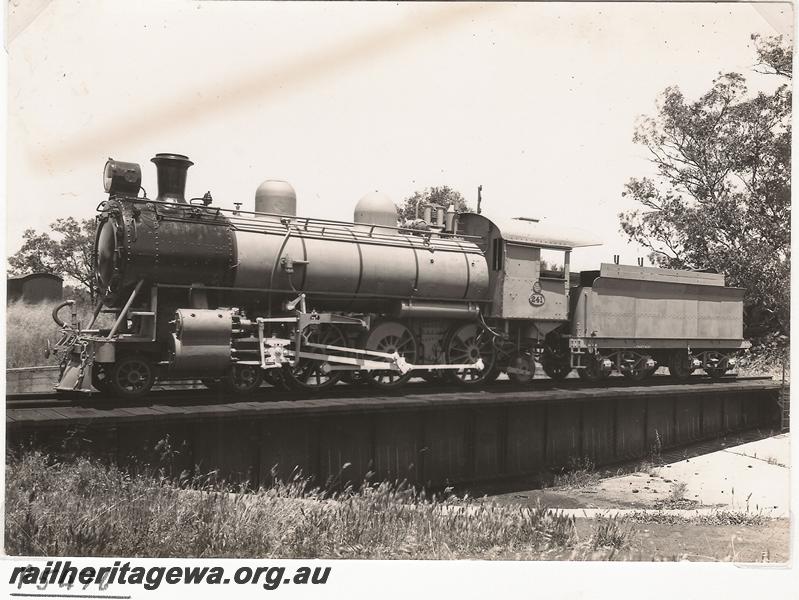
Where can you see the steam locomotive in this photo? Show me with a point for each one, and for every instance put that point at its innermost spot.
(236, 298)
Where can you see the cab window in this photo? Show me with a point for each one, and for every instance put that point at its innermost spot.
(552, 263)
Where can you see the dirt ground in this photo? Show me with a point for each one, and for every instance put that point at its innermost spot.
(746, 476)
(769, 542)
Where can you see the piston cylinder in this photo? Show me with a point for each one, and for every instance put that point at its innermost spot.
(201, 340)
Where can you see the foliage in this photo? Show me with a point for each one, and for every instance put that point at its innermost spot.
(66, 251)
(774, 56)
(80, 507)
(768, 355)
(721, 198)
(439, 196)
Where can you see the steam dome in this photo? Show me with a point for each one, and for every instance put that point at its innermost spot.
(376, 208)
(277, 197)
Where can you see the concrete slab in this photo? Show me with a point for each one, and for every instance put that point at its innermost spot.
(753, 476)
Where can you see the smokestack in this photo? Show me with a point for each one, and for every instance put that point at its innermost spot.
(171, 176)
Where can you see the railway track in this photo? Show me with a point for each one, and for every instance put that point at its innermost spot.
(179, 397)
(432, 435)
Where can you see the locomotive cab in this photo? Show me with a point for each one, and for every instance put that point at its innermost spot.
(528, 270)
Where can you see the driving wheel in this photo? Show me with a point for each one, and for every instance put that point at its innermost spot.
(391, 337)
(467, 343)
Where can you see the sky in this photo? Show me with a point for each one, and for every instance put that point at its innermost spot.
(535, 102)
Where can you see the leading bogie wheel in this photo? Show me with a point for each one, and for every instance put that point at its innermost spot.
(131, 376)
(243, 380)
(100, 378)
(391, 337)
(467, 343)
(315, 375)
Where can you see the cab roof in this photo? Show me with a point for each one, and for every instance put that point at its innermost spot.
(530, 232)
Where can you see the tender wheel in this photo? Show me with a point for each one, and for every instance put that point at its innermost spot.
(716, 373)
(523, 368)
(467, 343)
(593, 370)
(314, 374)
(716, 365)
(680, 364)
(633, 366)
(243, 379)
(100, 378)
(555, 367)
(390, 337)
(131, 376)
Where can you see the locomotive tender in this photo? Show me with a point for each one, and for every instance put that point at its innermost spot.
(234, 298)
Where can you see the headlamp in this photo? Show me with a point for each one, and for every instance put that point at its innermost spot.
(121, 177)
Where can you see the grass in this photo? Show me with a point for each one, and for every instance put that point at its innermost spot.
(29, 326)
(81, 507)
(579, 474)
(678, 489)
(716, 517)
(611, 532)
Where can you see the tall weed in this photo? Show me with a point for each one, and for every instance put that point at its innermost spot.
(81, 507)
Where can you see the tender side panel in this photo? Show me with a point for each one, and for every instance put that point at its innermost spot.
(626, 308)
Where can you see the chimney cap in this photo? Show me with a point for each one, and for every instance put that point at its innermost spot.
(171, 156)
